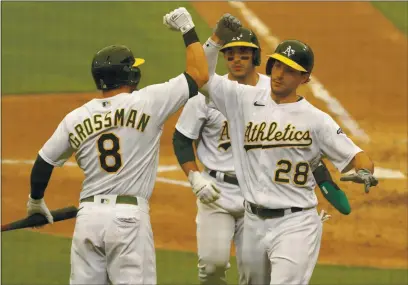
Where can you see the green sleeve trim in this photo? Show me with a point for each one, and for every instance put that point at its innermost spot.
(192, 85)
(183, 148)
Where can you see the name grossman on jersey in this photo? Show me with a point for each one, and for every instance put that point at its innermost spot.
(269, 136)
(98, 122)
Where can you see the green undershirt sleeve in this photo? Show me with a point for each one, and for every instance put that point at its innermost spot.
(330, 190)
(183, 148)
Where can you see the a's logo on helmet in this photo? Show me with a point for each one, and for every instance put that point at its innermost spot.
(289, 51)
(103, 85)
(237, 38)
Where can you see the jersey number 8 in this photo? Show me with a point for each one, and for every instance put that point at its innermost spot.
(109, 151)
(300, 174)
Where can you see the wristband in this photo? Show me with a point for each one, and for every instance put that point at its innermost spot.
(190, 37)
(210, 42)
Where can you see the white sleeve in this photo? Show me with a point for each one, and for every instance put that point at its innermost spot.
(211, 50)
(218, 87)
(192, 117)
(335, 144)
(166, 98)
(226, 95)
(57, 150)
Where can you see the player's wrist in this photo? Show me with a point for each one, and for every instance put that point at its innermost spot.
(213, 42)
(193, 175)
(36, 197)
(363, 171)
(190, 37)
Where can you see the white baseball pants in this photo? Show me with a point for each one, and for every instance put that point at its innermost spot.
(282, 250)
(113, 243)
(216, 229)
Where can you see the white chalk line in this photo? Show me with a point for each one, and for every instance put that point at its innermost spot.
(160, 169)
(173, 181)
(380, 172)
(318, 90)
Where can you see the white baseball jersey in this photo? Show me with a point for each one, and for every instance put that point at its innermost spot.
(116, 139)
(199, 121)
(275, 145)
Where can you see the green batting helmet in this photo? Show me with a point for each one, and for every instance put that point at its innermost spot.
(115, 66)
(294, 53)
(245, 38)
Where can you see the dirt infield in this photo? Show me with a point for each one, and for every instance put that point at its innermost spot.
(360, 59)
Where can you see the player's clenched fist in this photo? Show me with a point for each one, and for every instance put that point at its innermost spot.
(179, 20)
(205, 191)
(226, 26)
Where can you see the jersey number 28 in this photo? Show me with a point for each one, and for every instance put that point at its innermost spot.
(108, 146)
(299, 176)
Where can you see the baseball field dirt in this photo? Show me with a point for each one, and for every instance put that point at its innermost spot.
(367, 76)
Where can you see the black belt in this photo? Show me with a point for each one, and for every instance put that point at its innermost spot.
(227, 178)
(119, 200)
(266, 213)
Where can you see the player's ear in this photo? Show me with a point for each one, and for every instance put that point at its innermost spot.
(306, 77)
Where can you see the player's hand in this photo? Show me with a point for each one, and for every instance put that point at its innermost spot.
(179, 20)
(205, 191)
(324, 216)
(35, 206)
(362, 176)
(226, 27)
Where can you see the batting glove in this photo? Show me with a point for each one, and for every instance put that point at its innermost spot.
(179, 20)
(226, 27)
(205, 191)
(324, 216)
(35, 206)
(362, 176)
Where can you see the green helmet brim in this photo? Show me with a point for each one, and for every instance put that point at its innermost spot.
(287, 61)
(239, 44)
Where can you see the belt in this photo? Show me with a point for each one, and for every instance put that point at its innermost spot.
(266, 213)
(119, 200)
(227, 178)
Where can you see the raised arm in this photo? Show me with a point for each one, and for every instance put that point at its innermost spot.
(224, 30)
(196, 63)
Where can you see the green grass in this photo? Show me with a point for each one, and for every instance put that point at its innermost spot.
(396, 12)
(48, 46)
(34, 258)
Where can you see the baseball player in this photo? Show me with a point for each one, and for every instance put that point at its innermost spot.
(277, 139)
(220, 221)
(115, 139)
